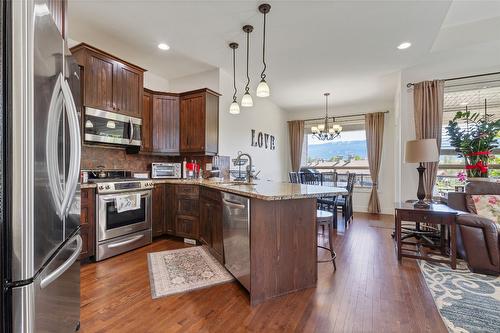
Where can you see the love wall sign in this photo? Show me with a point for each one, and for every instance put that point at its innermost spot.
(263, 140)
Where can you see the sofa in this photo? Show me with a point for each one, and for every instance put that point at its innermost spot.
(478, 240)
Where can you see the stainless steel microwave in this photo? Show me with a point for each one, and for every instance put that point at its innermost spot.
(113, 128)
(166, 170)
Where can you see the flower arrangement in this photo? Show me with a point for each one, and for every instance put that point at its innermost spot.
(475, 141)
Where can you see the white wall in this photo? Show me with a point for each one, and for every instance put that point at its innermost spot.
(386, 175)
(155, 82)
(208, 79)
(479, 59)
(235, 130)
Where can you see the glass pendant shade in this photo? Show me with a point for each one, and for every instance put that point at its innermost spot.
(234, 108)
(247, 101)
(321, 127)
(263, 89)
(314, 129)
(111, 124)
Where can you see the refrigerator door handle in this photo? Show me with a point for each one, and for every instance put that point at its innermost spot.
(46, 281)
(75, 147)
(54, 116)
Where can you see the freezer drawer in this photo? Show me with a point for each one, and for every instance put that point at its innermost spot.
(122, 244)
(236, 236)
(51, 303)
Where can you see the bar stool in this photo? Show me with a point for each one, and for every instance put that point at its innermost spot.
(323, 218)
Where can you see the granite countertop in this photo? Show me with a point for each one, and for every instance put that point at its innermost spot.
(263, 190)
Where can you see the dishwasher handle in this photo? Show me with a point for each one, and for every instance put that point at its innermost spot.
(233, 204)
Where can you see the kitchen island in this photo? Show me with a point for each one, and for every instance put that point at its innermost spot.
(282, 235)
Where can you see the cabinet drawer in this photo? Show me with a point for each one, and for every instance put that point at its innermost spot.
(187, 190)
(210, 194)
(188, 206)
(187, 226)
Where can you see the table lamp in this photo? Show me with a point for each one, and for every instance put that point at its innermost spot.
(419, 151)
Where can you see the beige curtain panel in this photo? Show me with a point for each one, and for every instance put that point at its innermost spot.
(296, 133)
(428, 99)
(374, 125)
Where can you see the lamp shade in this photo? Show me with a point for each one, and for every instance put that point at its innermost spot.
(425, 150)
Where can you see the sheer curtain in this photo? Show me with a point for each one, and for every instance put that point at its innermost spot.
(296, 133)
(374, 126)
(428, 99)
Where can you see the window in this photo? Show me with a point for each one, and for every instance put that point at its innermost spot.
(346, 153)
(475, 95)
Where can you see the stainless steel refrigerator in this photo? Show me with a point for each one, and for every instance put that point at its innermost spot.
(41, 239)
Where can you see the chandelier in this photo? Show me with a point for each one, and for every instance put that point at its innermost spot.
(324, 131)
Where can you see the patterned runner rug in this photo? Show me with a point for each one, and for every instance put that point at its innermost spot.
(176, 271)
(467, 302)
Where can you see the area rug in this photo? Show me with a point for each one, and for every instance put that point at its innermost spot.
(466, 301)
(177, 271)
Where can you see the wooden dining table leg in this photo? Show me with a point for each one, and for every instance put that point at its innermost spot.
(397, 227)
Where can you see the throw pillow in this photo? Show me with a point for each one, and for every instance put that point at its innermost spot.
(488, 206)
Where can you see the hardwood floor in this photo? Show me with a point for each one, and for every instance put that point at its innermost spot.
(370, 292)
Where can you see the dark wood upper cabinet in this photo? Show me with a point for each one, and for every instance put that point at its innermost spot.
(110, 84)
(128, 90)
(165, 124)
(147, 122)
(199, 122)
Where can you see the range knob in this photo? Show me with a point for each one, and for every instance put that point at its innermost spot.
(101, 187)
(108, 187)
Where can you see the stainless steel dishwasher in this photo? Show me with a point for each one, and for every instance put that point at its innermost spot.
(236, 234)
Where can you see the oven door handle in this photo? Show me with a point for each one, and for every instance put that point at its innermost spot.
(125, 242)
(111, 197)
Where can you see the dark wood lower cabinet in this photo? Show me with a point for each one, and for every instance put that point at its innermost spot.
(191, 212)
(87, 223)
(158, 211)
(187, 226)
(211, 222)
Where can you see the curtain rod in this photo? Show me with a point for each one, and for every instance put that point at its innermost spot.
(346, 116)
(409, 85)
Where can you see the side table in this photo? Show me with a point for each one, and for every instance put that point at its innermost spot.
(438, 214)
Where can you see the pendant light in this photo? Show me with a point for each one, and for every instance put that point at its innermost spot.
(247, 101)
(263, 88)
(234, 108)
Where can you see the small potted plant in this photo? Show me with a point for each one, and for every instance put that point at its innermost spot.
(474, 137)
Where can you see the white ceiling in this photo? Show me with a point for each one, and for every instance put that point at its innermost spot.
(345, 47)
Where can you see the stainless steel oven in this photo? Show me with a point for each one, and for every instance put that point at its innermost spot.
(118, 232)
(113, 128)
(166, 170)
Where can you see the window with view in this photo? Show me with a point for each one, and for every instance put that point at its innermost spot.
(345, 154)
(482, 95)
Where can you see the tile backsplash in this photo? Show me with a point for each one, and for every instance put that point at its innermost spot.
(117, 159)
(96, 157)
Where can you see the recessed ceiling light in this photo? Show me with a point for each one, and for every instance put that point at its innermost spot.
(404, 45)
(163, 46)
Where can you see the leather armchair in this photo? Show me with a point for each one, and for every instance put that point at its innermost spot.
(478, 238)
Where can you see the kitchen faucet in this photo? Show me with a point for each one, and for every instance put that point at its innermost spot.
(249, 176)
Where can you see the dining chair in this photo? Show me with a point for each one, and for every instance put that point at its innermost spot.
(345, 201)
(310, 178)
(293, 177)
